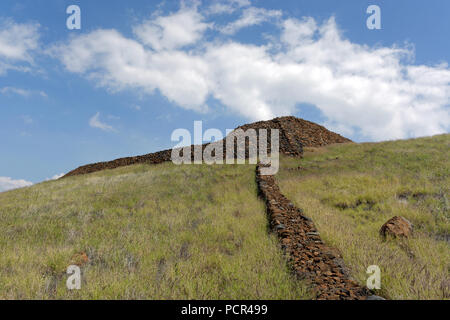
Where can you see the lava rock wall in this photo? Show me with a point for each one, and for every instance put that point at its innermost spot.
(294, 134)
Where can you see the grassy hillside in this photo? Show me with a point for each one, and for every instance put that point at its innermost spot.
(149, 232)
(350, 190)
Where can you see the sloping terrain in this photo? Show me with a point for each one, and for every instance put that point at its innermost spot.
(119, 224)
(143, 232)
(351, 190)
(310, 259)
(163, 231)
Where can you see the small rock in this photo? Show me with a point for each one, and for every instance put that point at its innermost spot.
(280, 226)
(396, 227)
(306, 218)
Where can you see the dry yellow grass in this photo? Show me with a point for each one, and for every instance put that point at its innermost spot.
(350, 190)
(150, 232)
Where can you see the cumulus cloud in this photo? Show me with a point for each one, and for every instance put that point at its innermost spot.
(17, 42)
(180, 29)
(117, 63)
(95, 122)
(375, 92)
(7, 183)
(298, 32)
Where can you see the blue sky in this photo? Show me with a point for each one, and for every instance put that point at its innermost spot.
(137, 70)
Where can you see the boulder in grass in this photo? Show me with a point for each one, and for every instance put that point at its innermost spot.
(396, 227)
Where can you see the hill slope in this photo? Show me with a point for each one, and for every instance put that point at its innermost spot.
(199, 231)
(350, 190)
(143, 232)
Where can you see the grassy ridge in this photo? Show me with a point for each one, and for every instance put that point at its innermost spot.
(150, 232)
(350, 190)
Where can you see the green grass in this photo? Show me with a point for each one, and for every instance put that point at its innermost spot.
(150, 232)
(350, 190)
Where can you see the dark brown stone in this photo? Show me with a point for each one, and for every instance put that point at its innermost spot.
(396, 227)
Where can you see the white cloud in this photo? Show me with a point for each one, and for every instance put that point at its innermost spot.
(55, 177)
(375, 91)
(250, 17)
(117, 63)
(227, 7)
(94, 122)
(13, 90)
(297, 32)
(21, 92)
(370, 89)
(177, 30)
(7, 183)
(17, 42)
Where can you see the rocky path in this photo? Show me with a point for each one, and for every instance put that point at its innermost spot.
(309, 257)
